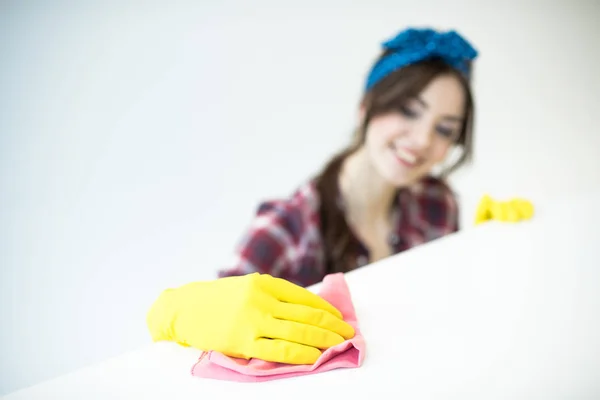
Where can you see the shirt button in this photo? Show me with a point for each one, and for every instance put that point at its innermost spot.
(361, 261)
(394, 239)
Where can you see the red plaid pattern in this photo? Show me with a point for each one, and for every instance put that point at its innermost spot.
(284, 239)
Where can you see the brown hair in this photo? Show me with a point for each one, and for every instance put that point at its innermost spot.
(390, 94)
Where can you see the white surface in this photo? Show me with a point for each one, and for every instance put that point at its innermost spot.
(129, 131)
(498, 312)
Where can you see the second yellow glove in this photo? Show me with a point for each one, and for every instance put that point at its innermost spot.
(513, 210)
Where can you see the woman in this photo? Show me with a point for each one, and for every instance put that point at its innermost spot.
(376, 198)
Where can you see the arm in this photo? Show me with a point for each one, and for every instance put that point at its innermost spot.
(263, 249)
(268, 248)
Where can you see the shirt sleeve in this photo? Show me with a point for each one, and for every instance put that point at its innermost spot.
(453, 220)
(268, 246)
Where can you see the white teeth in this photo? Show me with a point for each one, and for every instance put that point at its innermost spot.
(406, 156)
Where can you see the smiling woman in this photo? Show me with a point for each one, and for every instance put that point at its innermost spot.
(376, 198)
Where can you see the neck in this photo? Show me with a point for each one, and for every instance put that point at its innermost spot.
(366, 195)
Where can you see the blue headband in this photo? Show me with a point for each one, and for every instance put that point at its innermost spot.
(414, 45)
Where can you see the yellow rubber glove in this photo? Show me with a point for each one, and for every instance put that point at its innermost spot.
(250, 316)
(513, 210)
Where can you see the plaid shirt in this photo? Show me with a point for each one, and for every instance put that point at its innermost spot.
(284, 240)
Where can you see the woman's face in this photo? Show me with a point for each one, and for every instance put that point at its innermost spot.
(405, 145)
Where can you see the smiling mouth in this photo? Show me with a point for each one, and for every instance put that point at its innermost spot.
(406, 157)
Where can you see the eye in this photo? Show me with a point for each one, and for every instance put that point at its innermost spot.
(446, 132)
(407, 112)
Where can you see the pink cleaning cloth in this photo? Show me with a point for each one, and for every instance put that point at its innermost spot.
(349, 354)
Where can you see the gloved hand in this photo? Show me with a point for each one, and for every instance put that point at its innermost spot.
(250, 316)
(513, 210)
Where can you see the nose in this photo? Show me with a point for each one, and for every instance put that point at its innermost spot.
(422, 135)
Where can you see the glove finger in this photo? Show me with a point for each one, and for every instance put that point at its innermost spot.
(524, 207)
(483, 212)
(288, 292)
(281, 351)
(314, 317)
(512, 214)
(499, 211)
(300, 333)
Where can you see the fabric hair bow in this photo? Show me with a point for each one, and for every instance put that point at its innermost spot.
(414, 45)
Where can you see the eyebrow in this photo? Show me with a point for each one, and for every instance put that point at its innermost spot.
(448, 117)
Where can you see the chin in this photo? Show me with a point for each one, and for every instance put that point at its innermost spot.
(402, 177)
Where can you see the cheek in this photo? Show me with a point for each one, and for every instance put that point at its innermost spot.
(439, 151)
(384, 131)
(376, 138)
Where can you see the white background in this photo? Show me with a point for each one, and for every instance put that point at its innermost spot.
(129, 132)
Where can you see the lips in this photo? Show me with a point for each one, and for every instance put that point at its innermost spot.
(406, 156)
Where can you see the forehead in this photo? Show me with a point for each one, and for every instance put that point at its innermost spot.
(444, 95)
